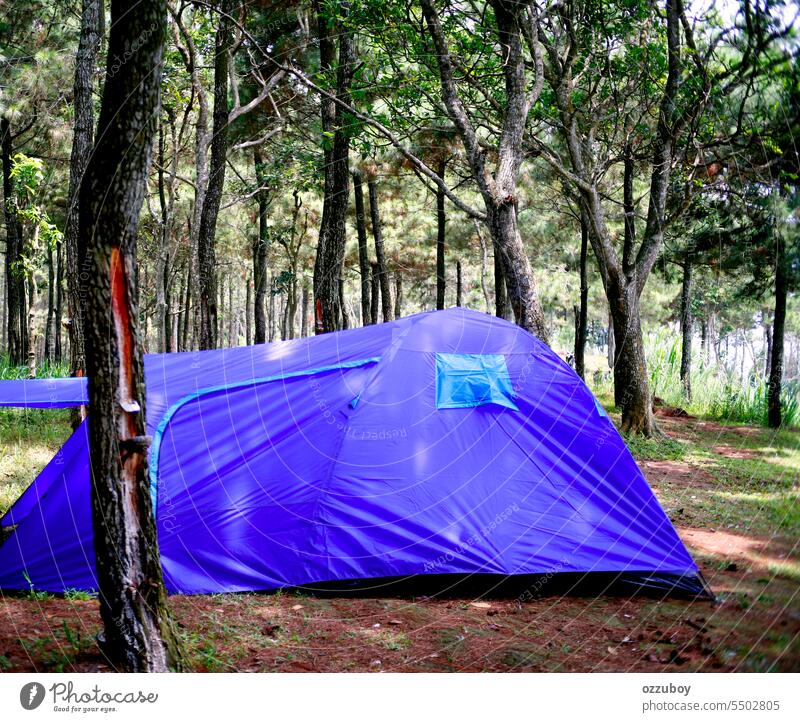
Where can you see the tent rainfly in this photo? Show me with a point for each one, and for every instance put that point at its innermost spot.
(444, 443)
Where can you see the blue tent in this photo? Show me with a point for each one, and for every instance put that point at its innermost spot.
(444, 443)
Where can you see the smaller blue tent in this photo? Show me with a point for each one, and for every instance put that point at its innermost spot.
(445, 443)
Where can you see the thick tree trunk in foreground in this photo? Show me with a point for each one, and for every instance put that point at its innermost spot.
(260, 250)
(441, 222)
(82, 139)
(206, 237)
(377, 234)
(363, 251)
(778, 323)
(581, 318)
(139, 632)
(15, 284)
(686, 328)
(332, 233)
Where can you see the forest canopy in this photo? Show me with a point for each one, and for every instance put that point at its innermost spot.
(618, 178)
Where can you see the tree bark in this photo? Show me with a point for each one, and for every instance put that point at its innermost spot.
(304, 322)
(377, 234)
(630, 369)
(363, 252)
(162, 257)
(139, 632)
(14, 281)
(778, 323)
(459, 287)
(188, 314)
(271, 316)
(335, 122)
(441, 221)
(500, 295)
(581, 321)
(59, 310)
(248, 303)
(206, 238)
(374, 308)
(49, 340)
(398, 294)
(686, 328)
(82, 139)
(260, 251)
(767, 349)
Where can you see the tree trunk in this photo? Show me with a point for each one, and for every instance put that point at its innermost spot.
(612, 350)
(343, 306)
(248, 302)
(459, 287)
(377, 234)
(363, 252)
(139, 632)
(188, 314)
(304, 322)
(441, 220)
(271, 318)
(522, 293)
(162, 254)
(686, 328)
(581, 320)
(778, 323)
(335, 121)
(499, 188)
(630, 369)
(398, 294)
(206, 237)
(231, 320)
(260, 250)
(49, 340)
(374, 308)
(82, 139)
(500, 295)
(59, 311)
(14, 280)
(767, 349)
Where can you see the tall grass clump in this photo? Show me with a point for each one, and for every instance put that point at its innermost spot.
(716, 392)
(44, 369)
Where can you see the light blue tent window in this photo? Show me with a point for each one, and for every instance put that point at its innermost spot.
(467, 380)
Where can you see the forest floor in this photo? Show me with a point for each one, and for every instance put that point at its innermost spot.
(732, 491)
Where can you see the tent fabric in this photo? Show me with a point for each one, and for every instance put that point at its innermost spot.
(44, 393)
(329, 458)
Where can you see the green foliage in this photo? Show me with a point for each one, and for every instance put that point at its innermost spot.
(716, 393)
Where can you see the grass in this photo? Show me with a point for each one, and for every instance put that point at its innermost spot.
(716, 393)
(61, 650)
(28, 440)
